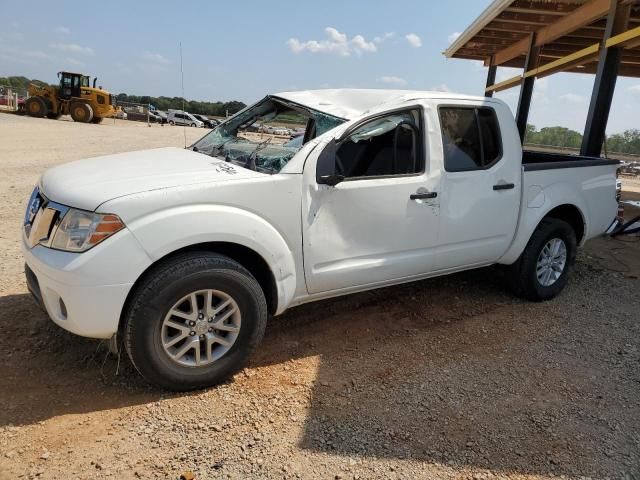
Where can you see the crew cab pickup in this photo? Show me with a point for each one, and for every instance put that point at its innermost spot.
(181, 255)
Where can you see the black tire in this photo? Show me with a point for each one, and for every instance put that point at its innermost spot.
(193, 125)
(36, 107)
(96, 120)
(524, 279)
(157, 294)
(81, 112)
(171, 122)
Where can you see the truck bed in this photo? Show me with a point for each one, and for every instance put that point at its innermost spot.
(532, 161)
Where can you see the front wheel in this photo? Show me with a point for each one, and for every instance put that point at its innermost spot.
(542, 270)
(171, 122)
(193, 124)
(194, 321)
(81, 112)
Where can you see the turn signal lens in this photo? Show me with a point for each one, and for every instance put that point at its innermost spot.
(79, 230)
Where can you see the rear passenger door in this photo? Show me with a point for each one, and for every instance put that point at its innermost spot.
(480, 184)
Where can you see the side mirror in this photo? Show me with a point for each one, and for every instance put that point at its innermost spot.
(326, 166)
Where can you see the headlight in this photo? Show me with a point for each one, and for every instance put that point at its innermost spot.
(79, 230)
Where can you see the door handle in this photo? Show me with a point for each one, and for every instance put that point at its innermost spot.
(421, 196)
(504, 186)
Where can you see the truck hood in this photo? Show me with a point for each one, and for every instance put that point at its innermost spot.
(86, 184)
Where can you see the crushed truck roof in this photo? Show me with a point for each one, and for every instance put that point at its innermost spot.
(349, 103)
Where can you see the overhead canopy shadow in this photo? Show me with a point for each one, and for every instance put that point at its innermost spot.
(456, 371)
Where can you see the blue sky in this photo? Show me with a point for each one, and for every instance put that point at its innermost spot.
(242, 50)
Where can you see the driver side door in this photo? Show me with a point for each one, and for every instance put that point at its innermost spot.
(380, 223)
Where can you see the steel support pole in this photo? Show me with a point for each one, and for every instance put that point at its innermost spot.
(526, 87)
(491, 78)
(605, 82)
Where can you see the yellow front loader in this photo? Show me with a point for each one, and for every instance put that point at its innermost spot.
(74, 96)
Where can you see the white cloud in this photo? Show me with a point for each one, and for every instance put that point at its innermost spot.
(453, 37)
(443, 87)
(336, 42)
(383, 38)
(62, 30)
(156, 58)
(392, 80)
(72, 48)
(572, 98)
(24, 55)
(361, 45)
(74, 61)
(414, 40)
(505, 73)
(634, 88)
(35, 54)
(542, 83)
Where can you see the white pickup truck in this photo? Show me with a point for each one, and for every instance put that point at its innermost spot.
(183, 254)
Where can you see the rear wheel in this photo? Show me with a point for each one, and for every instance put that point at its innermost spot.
(171, 122)
(81, 112)
(194, 321)
(36, 107)
(542, 270)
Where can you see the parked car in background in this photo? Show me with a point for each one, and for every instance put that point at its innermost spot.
(162, 115)
(121, 114)
(139, 116)
(176, 117)
(255, 127)
(297, 133)
(154, 117)
(208, 123)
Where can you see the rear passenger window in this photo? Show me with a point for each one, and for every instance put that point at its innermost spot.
(470, 137)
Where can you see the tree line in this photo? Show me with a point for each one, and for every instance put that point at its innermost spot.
(218, 109)
(625, 142)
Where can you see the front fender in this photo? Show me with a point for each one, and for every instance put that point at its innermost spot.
(167, 231)
(537, 202)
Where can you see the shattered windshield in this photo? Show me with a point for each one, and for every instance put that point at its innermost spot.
(259, 137)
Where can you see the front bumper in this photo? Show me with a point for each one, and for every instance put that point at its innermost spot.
(84, 293)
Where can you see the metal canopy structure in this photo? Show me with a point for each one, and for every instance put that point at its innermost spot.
(543, 37)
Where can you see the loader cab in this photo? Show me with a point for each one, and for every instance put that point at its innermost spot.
(71, 84)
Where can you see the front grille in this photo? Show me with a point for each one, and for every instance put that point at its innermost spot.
(41, 219)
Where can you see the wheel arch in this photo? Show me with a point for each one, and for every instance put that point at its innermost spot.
(245, 256)
(572, 215)
(568, 212)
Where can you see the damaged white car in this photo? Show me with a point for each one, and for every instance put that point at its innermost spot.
(181, 255)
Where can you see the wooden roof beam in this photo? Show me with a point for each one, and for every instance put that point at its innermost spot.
(509, 83)
(586, 55)
(628, 39)
(580, 17)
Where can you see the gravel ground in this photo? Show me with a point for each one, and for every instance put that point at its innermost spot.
(447, 378)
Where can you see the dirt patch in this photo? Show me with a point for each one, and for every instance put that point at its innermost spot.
(447, 378)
